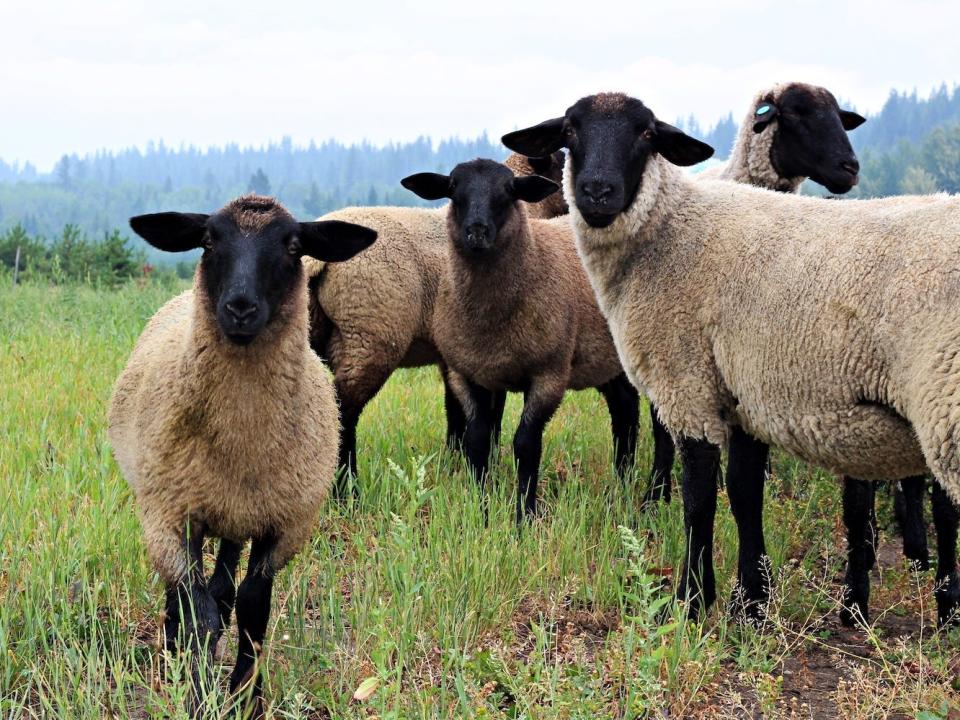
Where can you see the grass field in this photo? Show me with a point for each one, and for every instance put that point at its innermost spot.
(408, 590)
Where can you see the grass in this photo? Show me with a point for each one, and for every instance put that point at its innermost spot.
(408, 593)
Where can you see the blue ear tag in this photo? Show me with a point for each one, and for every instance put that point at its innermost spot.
(763, 110)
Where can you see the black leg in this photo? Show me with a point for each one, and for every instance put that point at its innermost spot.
(746, 473)
(946, 517)
(476, 445)
(623, 402)
(701, 461)
(223, 583)
(192, 611)
(861, 522)
(348, 452)
(539, 405)
(253, 612)
(908, 510)
(663, 452)
(498, 405)
(456, 417)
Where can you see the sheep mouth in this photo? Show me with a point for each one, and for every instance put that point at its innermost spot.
(599, 220)
(241, 338)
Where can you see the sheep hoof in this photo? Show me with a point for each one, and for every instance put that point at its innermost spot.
(746, 610)
(948, 600)
(854, 615)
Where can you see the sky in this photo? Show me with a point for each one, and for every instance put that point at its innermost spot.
(80, 76)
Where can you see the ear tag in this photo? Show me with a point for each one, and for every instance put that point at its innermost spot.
(763, 110)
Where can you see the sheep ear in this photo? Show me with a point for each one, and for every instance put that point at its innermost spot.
(533, 188)
(764, 115)
(334, 240)
(678, 147)
(429, 186)
(537, 141)
(851, 120)
(171, 231)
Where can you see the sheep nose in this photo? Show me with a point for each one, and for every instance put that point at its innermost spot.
(852, 166)
(598, 191)
(241, 308)
(477, 232)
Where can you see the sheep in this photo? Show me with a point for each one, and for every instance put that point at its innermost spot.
(793, 131)
(754, 318)
(515, 312)
(224, 421)
(373, 315)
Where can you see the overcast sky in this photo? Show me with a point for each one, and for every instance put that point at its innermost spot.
(78, 76)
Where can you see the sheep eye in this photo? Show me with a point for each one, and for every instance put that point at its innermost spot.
(293, 246)
(647, 134)
(207, 242)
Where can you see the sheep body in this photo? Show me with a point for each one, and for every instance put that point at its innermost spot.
(825, 328)
(241, 440)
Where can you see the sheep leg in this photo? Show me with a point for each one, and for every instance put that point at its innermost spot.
(861, 522)
(190, 609)
(354, 391)
(498, 405)
(701, 462)
(663, 453)
(908, 510)
(476, 444)
(453, 408)
(746, 474)
(223, 583)
(540, 402)
(946, 517)
(253, 612)
(623, 402)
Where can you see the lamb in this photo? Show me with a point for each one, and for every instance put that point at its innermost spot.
(373, 315)
(754, 318)
(224, 421)
(515, 312)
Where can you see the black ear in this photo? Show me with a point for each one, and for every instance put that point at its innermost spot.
(764, 115)
(851, 120)
(429, 186)
(537, 141)
(334, 240)
(678, 147)
(533, 188)
(171, 231)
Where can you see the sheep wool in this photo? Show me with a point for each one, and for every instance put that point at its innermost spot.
(240, 439)
(829, 329)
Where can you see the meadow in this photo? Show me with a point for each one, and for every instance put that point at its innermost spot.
(407, 604)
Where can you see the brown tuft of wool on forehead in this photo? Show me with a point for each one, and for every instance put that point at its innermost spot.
(252, 213)
(609, 102)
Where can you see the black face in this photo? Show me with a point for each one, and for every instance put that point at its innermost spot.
(483, 194)
(248, 273)
(611, 138)
(811, 137)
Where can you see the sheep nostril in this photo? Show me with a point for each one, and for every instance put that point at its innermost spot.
(598, 192)
(241, 309)
(851, 166)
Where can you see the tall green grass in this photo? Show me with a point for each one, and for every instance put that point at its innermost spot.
(408, 588)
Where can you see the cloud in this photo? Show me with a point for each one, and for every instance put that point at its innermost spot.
(78, 77)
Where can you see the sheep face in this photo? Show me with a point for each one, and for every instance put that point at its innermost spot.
(251, 256)
(483, 195)
(611, 138)
(810, 136)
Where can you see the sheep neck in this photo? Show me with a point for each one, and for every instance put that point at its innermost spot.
(492, 289)
(750, 162)
(252, 381)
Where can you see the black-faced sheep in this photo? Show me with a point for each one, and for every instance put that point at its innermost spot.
(224, 421)
(515, 312)
(754, 318)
